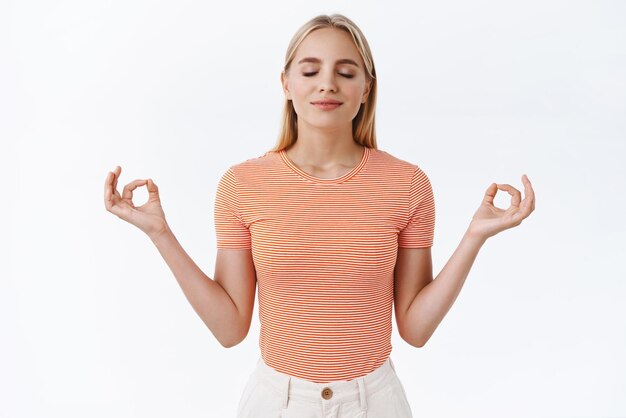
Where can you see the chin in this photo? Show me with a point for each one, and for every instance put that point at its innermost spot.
(329, 123)
(329, 126)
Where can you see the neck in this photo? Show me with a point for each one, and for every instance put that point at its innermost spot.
(325, 147)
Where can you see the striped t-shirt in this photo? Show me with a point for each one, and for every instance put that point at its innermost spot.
(324, 251)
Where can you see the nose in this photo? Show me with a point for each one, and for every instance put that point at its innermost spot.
(327, 81)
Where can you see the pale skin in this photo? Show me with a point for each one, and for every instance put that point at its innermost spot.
(325, 149)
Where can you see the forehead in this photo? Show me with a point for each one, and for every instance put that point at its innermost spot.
(328, 44)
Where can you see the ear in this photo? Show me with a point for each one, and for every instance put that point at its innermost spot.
(366, 92)
(283, 81)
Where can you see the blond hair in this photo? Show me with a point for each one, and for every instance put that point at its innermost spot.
(363, 124)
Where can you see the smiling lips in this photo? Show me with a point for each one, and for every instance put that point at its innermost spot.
(327, 104)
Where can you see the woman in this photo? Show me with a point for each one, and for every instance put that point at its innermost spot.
(335, 232)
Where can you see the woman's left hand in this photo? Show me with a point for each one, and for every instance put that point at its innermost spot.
(489, 219)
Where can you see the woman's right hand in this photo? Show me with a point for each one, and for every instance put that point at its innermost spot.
(148, 217)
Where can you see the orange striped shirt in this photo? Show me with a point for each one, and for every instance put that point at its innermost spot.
(324, 252)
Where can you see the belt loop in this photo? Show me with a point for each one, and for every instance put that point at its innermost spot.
(286, 391)
(363, 396)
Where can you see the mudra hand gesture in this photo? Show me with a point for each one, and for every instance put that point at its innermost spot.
(148, 217)
(489, 219)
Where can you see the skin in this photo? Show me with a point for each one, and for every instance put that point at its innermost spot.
(325, 149)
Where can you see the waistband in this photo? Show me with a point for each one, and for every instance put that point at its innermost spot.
(326, 394)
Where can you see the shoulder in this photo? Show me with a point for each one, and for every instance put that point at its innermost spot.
(255, 169)
(392, 163)
(255, 163)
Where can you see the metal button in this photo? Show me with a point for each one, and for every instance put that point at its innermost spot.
(327, 393)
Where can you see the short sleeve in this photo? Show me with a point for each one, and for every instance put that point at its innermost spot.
(231, 231)
(420, 229)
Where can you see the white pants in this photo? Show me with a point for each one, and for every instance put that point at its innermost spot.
(272, 394)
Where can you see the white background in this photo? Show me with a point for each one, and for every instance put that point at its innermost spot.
(93, 323)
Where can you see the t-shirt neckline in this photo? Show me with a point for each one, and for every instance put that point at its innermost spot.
(345, 177)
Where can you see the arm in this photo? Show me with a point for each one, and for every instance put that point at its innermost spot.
(429, 300)
(421, 302)
(225, 304)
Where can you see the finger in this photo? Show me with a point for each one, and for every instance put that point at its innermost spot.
(528, 191)
(107, 189)
(516, 196)
(111, 183)
(528, 204)
(153, 190)
(127, 194)
(116, 175)
(117, 171)
(490, 193)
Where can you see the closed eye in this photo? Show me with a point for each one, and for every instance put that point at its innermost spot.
(315, 72)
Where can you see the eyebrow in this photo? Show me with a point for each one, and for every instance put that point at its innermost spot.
(317, 60)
